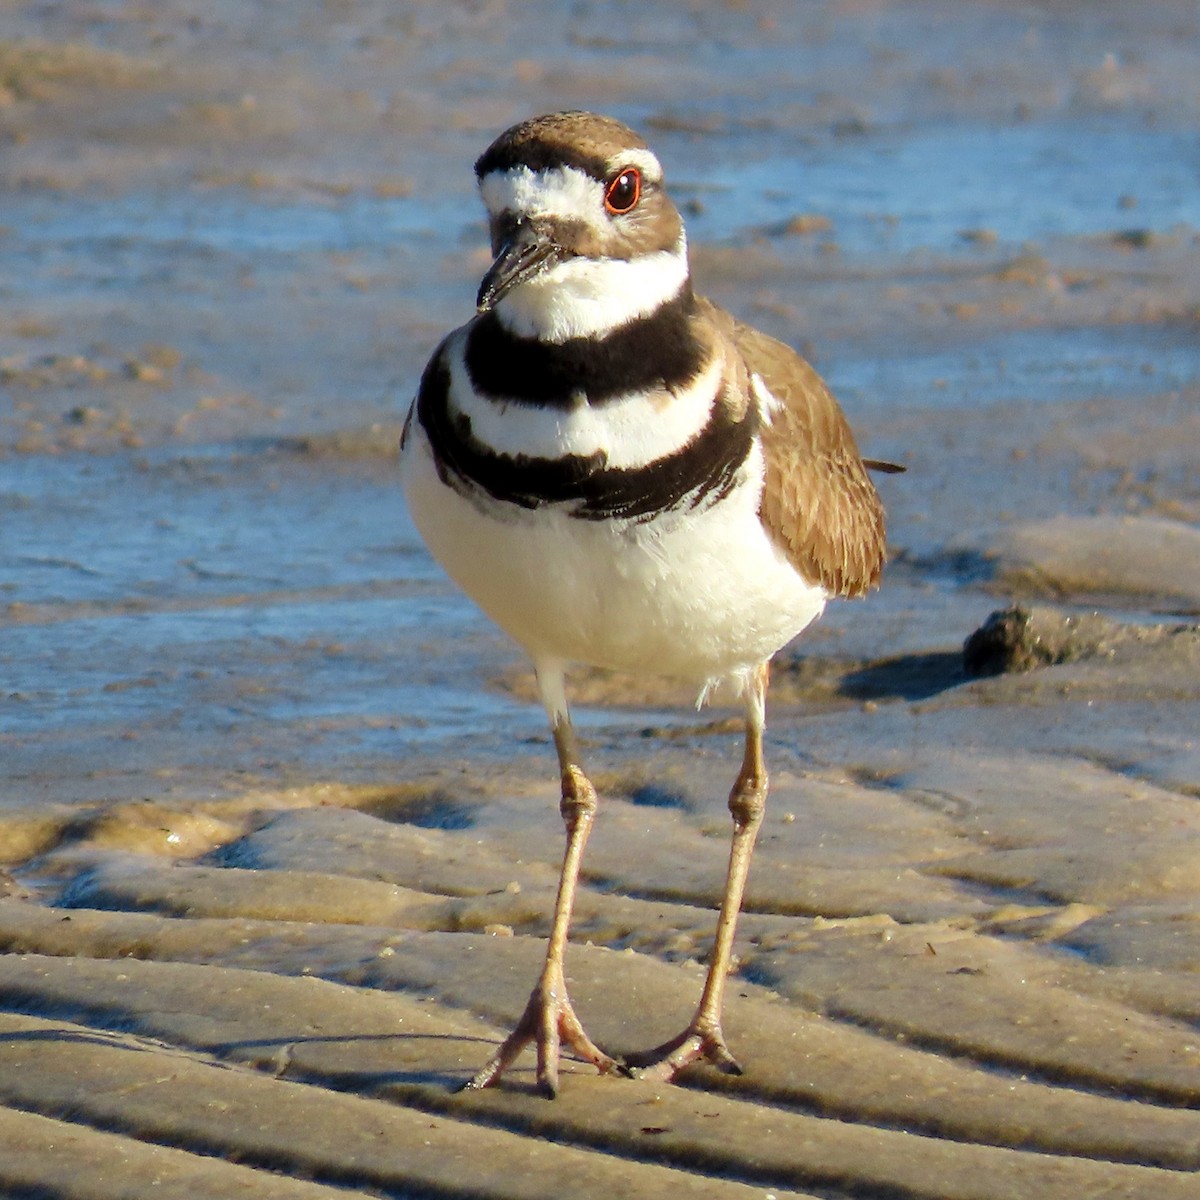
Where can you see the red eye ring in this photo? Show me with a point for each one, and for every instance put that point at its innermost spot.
(623, 192)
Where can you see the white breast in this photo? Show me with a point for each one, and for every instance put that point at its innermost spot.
(699, 594)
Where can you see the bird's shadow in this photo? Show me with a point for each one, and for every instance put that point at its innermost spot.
(905, 677)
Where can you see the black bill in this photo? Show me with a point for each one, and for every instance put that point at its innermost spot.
(525, 255)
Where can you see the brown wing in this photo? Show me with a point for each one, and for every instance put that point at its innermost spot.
(817, 499)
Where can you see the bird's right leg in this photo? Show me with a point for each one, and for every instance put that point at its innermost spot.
(703, 1039)
(549, 1020)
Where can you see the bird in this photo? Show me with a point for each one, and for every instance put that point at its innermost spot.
(623, 475)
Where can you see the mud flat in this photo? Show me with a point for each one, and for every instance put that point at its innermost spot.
(278, 823)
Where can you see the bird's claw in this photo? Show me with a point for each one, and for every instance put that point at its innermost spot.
(549, 1022)
(694, 1044)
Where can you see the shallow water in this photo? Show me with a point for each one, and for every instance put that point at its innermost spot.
(165, 556)
(883, 190)
(1048, 366)
(899, 189)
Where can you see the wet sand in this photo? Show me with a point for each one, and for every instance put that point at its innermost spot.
(278, 817)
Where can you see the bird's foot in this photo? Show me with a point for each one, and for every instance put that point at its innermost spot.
(549, 1022)
(700, 1041)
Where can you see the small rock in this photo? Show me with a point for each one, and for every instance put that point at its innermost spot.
(1022, 639)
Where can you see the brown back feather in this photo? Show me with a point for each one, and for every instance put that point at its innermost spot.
(817, 501)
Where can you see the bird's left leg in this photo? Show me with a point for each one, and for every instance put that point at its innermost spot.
(549, 1020)
(703, 1038)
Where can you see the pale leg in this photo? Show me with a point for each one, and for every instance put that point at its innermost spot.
(549, 1020)
(703, 1039)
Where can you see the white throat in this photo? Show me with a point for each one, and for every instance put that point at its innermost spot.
(590, 297)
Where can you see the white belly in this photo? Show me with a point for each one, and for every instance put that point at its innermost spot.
(697, 594)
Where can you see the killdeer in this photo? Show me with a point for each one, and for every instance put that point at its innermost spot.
(621, 474)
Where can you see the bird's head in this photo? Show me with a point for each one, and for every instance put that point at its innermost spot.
(584, 236)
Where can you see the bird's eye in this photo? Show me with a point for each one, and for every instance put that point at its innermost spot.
(623, 191)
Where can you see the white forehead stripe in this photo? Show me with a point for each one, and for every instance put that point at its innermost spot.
(559, 192)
